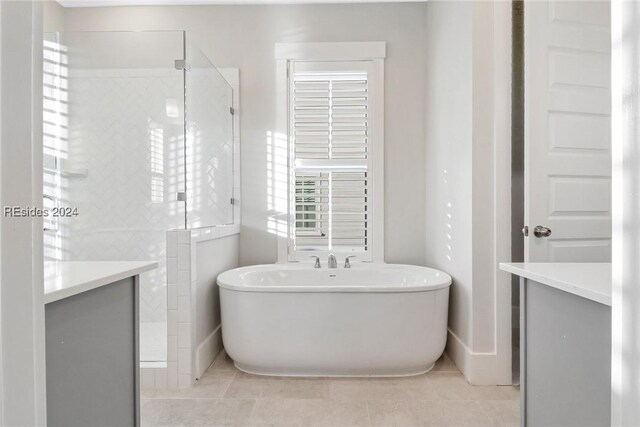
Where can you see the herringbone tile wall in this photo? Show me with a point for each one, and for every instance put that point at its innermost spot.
(126, 131)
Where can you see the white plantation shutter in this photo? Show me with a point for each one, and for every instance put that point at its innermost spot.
(330, 142)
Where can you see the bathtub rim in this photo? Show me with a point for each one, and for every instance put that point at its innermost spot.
(224, 281)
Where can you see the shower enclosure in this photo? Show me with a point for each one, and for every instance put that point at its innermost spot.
(138, 140)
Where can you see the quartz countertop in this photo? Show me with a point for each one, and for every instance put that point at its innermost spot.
(65, 279)
(587, 280)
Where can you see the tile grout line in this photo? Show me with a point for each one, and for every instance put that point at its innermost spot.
(233, 378)
(369, 422)
(252, 411)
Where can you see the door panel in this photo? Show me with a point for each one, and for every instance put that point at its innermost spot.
(584, 250)
(567, 130)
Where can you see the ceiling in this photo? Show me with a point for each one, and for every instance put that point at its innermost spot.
(103, 3)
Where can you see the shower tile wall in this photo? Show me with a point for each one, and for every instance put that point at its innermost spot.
(124, 166)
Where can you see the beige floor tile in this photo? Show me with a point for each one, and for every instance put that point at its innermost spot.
(459, 413)
(468, 413)
(388, 412)
(417, 387)
(212, 385)
(310, 412)
(227, 396)
(222, 363)
(445, 364)
(453, 386)
(255, 386)
(503, 412)
(195, 412)
(511, 392)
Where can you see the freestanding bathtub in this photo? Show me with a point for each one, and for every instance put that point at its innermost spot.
(369, 320)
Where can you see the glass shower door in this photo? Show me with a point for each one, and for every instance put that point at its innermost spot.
(115, 150)
(209, 148)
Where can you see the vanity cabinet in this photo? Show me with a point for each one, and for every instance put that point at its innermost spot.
(92, 351)
(565, 344)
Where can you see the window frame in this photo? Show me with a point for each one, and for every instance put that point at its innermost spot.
(373, 53)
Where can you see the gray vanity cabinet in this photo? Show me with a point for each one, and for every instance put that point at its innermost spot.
(92, 357)
(565, 358)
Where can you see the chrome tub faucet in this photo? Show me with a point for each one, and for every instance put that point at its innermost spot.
(317, 264)
(333, 263)
(347, 264)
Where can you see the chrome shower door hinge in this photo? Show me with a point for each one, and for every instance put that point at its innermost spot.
(232, 110)
(181, 64)
(181, 196)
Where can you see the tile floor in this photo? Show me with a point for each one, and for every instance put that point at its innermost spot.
(226, 396)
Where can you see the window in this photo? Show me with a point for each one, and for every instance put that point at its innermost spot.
(329, 120)
(335, 158)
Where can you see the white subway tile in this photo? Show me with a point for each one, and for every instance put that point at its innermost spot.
(172, 297)
(172, 237)
(172, 322)
(184, 361)
(161, 377)
(184, 335)
(172, 244)
(184, 309)
(184, 277)
(184, 236)
(184, 290)
(184, 257)
(172, 374)
(172, 348)
(147, 378)
(184, 381)
(172, 270)
(194, 261)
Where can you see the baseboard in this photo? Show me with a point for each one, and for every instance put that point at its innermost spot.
(477, 368)
(208, 350)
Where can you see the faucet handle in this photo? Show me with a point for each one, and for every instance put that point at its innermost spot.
(347, 264)
(317, 264)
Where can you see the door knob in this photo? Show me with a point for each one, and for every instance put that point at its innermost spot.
(541, 231)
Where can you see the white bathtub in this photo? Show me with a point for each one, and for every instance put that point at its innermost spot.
(370, 320)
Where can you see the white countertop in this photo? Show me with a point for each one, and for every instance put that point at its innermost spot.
(65, 279)
(587, 280)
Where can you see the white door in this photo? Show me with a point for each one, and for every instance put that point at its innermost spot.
(567, 131)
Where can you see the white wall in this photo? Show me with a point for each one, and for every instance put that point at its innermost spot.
(449, 156)
(213, 257)
(52, 16)
(244, 37)
(468, 178)
(21, 273)
(625, 387)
